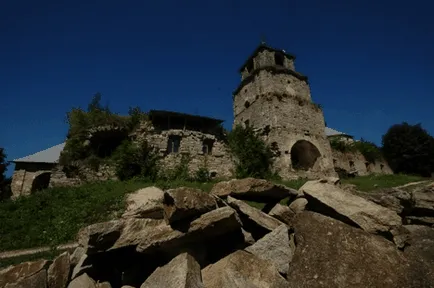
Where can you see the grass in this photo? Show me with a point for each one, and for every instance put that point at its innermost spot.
(372, 182)
(54, 216)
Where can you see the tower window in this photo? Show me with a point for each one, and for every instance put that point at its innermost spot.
(247, 104)
(247, 123)
(279, 59)
(173, 144)
(207, 146)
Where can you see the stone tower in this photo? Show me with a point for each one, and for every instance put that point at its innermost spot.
(275, 100)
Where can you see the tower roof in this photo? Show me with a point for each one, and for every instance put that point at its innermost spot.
(262, 46)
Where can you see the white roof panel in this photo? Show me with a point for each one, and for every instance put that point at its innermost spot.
(50, 155)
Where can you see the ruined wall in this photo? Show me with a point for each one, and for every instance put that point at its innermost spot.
(25, 174)
(219, 162)
(356, 162)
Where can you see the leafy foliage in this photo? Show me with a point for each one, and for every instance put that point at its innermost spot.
(253, 156)
(80, 122)
(5, 183)
(135, 161)
(202, 175)
(369, 150)
(409, 149)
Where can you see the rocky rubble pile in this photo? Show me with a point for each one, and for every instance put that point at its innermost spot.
(318, 236)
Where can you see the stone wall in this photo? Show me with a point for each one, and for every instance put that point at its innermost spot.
(355, 162)
(218, 162)
(25, 174)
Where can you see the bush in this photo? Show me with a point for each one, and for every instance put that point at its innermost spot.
(202, 175)
(342, 146)
(253, 157)
(409, 149)
(5, 183)
(369, 150)
(135, 161)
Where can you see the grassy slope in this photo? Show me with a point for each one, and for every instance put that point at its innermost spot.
(54, 216)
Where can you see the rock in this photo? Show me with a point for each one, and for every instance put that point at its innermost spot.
(76, 256)
(38, 280)
(393, 198)
(82, 281)
(255, 221)
(421, 249)
(277, 247)
(182, 272)
(145, 203)
(424, 201)
(58, 272)
(331, 180)
(186, 203)
(82, 267)
(417, 220)
(103, 285)
(298, 205)
(251, 189)
(100, 236)
(241, 270)
(207, 226)
(17, 274)
(248, 238)
(330, 200)
(282, 213)
(330, 253)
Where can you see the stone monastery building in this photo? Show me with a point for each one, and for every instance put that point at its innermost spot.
(272, 97)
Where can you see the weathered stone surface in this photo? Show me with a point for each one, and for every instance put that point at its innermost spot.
(421, 248)
(82, 281)
(58, 272)
(100, 236)
(248, 238)
(276, 247)
(145, 203)
(330, 200)
(252, 189)
(82, 267)
(282, 213)
(76, 256)
(424, 201)
(254, 215)
(103, 285)
(393, 198)
(38, 280)
(13, 274)
(420, 220)
(209, 225)
(185, 203)
(298, 205)
(241, 270)
(182, 272)
(330, 253)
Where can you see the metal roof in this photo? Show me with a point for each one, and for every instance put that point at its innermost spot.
(50, 155)
(333, 132)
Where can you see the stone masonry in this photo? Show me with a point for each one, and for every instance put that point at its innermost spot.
(275, 100)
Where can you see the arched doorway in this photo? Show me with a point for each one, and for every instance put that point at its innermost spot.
(41, 181)
(304, 155)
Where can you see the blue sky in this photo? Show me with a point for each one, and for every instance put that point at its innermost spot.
(370, 63)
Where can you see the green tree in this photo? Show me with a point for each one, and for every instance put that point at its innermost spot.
(5, 182)
(409, 149)
(253, 157)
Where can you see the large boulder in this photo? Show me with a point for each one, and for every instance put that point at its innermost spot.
(282, 213)
(148, 235)
(331, 200)
(145, 203)
(395, 199)
(28, 273)
(182, 272)
(241, 270)
(58, 272)
(254, 221)
(251, 189)
(277, 247)
(331, 253)
(186, 203)
(83, 281)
